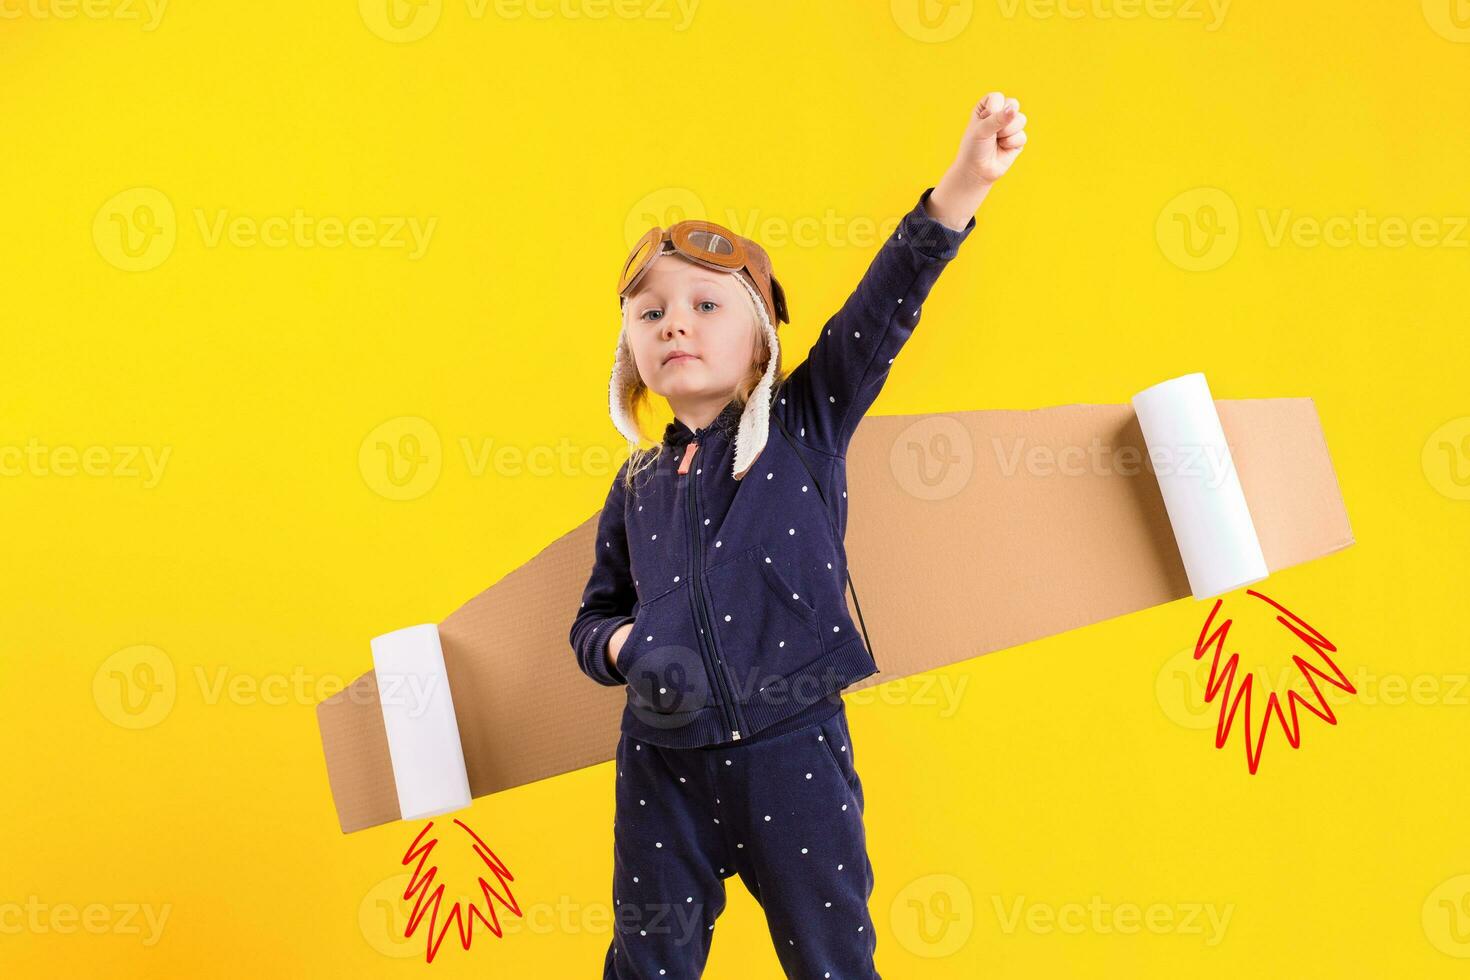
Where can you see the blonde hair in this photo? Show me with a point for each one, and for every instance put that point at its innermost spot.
(637, 398)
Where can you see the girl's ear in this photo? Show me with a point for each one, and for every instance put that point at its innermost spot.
(778, 297)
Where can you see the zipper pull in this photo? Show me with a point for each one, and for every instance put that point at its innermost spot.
(735, 734)
(688, 456)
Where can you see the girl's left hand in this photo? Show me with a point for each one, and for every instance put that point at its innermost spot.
(993, 139)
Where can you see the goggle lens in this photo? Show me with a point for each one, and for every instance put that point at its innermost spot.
(707, 242)
(642, 254)
(711, 242)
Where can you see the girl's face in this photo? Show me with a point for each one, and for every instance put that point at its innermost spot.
(691, 330)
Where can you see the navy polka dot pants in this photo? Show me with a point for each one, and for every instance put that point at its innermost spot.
(783, 812)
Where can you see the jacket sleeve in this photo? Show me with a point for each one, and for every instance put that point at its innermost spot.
(608, 599)
(828, 394)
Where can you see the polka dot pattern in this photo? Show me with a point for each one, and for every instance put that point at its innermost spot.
(783, 813)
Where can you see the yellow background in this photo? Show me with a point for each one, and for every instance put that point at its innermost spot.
(268, 550)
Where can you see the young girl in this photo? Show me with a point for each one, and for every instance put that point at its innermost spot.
(717, 589)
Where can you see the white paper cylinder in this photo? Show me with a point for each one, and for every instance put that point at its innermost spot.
(1207, 509)
(418, 713)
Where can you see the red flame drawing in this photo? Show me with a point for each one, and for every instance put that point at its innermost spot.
(429, 901)
(1222, 683)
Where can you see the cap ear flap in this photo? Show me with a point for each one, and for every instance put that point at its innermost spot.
(778, 297)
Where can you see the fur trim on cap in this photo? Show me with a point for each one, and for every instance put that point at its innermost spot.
(624, 375)
(755, 419)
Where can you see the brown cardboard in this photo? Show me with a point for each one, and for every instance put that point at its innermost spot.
(954, 551)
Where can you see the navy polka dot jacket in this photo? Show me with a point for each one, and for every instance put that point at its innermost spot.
(736, 588)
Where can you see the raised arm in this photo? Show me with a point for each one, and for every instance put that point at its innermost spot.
(827, 395)
(608, 599)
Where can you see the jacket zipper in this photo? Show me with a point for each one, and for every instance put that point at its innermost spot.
(729, 711)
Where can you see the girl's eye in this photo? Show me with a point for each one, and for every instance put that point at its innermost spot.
(645, 313)
(708, 302)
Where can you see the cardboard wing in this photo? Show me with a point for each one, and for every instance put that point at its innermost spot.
(968, 532)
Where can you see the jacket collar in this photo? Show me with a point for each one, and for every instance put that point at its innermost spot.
(676, 433)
